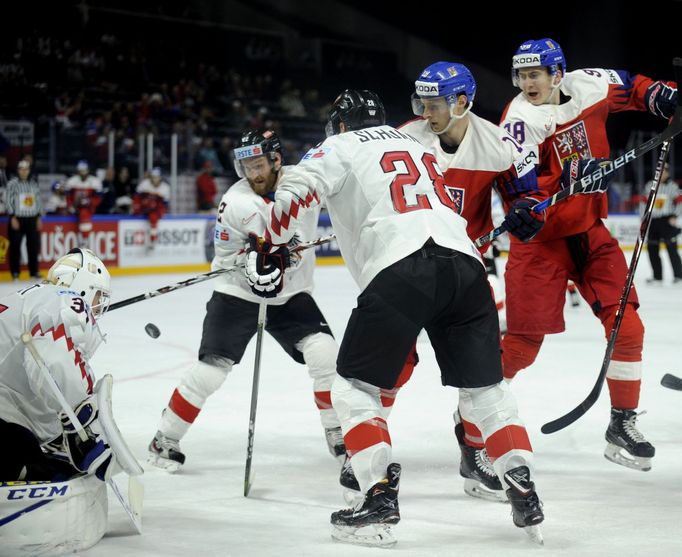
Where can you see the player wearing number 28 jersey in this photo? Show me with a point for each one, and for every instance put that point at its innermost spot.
(406, 245)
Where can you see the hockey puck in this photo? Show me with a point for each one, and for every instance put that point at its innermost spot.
(152, 330)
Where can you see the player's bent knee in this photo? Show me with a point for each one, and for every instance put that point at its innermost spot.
(319, 352)
(630, 339)
(204, 378)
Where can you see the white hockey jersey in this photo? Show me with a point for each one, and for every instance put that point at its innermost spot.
(242, 212)
(90, 184)
(162, 190)
(487, 156)
(65, 334)
(385, 195)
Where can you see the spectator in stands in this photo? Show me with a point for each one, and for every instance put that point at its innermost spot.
(208, 153)
(151, 199)
(108, 202)
(124, 187)
(206, 188)
(84, 193)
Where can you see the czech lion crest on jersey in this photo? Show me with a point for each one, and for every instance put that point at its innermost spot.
(572, 143)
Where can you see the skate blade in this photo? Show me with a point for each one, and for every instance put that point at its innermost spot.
(476, 489)
(535, 534)
(373, 535)
(170, 466)
(614, 453)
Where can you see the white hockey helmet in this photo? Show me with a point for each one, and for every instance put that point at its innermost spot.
(82, 271)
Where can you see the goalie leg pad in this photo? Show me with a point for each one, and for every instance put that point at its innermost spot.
(55, 517)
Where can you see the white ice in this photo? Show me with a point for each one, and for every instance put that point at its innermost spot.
(593, 507)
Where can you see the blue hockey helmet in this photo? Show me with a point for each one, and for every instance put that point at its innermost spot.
(540, 52)
(443, 79)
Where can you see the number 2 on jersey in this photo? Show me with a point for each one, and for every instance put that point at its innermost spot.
(410, 178)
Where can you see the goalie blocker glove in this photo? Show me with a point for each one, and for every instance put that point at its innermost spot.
(575, 170)
(93, 456)
(265, 265)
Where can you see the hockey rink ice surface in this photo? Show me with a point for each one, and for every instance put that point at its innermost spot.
(592, 507)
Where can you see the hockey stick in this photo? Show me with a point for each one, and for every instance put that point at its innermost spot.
(233, 259)
(585, 405)
(131, 505)
(262, 311)
(673, 129)
(672, 382)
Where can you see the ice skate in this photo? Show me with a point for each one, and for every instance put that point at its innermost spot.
(165, 453)
(526, 506)
(335, 443)
(480, 479)
(626, 445)
(369, 523)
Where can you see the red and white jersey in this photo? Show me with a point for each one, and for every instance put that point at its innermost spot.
(242, 212)
(487, 156)
(575, 130)
(89, 185)
(385, 195)
(162, 190)
(65, 335)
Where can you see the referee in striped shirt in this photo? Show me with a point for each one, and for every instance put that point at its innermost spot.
(24, 209)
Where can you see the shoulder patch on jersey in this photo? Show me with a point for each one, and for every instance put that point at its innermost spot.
(613, 77)
(316, 153)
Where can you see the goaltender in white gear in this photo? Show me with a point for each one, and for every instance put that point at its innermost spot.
(52, 482)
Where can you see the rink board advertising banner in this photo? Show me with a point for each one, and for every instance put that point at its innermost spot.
(122, 241)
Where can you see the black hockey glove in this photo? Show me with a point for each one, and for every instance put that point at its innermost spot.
(661, 99)
(265, 266)
(576, 170)
(522, 221)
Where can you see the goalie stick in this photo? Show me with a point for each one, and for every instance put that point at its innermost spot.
(673, 129)
(212, 274)
(585, 405)
(672, 382)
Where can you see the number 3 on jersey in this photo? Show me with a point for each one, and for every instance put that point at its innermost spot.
(411, 177)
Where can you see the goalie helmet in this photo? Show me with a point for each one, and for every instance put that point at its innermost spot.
(540, 52)
(83, 272)
(256, 144)
(357, 109)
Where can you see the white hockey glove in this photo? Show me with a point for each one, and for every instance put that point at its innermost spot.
(93, 456)
(265, 265)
